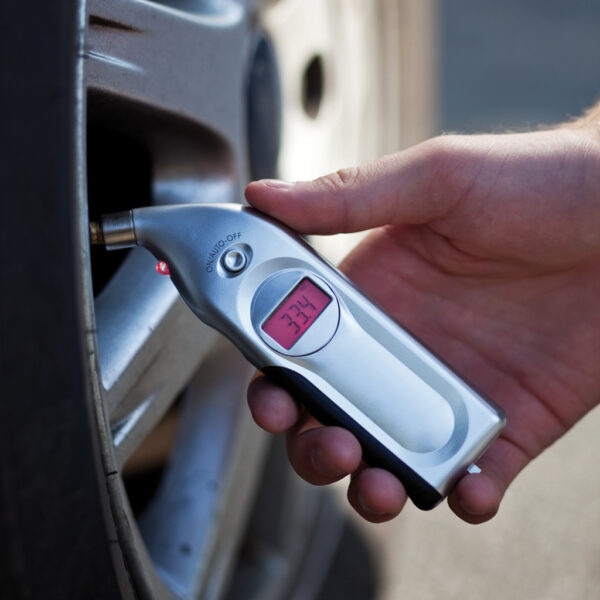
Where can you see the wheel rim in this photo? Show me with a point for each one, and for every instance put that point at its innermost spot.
(173, 76)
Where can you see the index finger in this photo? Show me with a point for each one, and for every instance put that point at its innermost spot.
(392, 189)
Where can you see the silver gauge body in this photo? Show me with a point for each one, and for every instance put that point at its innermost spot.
(302, 322)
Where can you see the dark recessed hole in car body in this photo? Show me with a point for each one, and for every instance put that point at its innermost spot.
(263, 109)
(313, 86)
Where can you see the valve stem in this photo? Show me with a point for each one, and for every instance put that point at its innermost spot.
(96, 233)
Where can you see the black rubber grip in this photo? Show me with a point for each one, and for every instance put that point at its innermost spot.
(423, 495)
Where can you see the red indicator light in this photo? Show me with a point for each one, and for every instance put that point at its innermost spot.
(162, 268)
(290, 320)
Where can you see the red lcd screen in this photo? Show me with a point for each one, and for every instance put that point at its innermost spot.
(290, 320)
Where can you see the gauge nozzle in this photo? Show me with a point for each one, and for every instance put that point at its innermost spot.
(114, 231)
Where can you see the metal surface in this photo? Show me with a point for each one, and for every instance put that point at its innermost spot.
(96, 234)
(181, 79)
(197, 515)
(411, 402)
(117, 230)
(174, 79)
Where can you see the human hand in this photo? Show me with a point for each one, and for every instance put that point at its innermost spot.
(488, 250)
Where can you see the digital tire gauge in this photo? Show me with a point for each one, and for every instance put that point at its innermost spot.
(303, 323)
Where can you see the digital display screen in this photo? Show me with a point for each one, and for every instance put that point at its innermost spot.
(298, 311)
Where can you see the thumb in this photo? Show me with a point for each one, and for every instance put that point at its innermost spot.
(399, 188)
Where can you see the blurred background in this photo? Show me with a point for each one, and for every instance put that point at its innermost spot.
(514, 64)
(510, 65)
(147, 477)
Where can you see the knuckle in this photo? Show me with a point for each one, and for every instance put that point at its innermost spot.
(341, 179)
(444, 161)
(439, 153)
(339, 186)
(349, 176)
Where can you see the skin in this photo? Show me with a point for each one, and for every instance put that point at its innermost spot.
(487, 248)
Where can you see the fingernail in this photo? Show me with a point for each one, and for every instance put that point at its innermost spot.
(276, 184)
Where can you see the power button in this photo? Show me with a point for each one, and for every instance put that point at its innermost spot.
(234, 260)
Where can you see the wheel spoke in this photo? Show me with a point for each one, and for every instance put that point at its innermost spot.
(187, 68)
(190, 65)
(149, 344)
(170, 83)
(194, 523)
